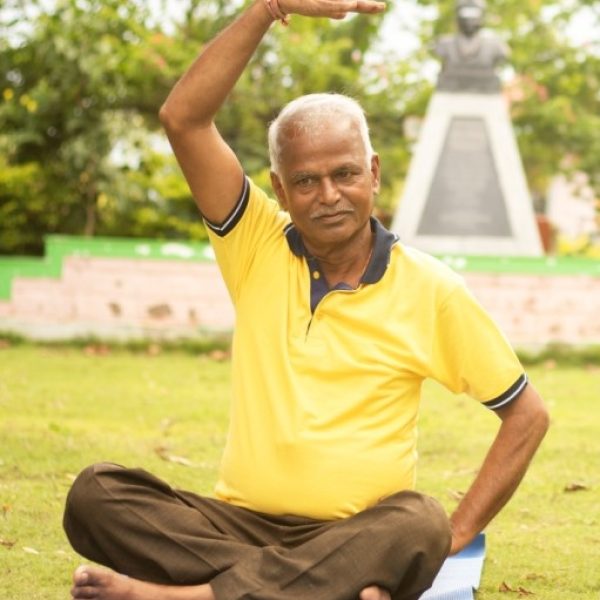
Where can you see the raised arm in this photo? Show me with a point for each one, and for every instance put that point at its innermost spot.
(524, 424)
(211, 168)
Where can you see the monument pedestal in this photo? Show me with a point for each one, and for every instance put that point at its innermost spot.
(466, 191)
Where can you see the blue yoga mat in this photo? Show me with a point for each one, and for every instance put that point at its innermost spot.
(460, 575)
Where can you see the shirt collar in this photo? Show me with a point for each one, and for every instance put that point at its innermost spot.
(380, 258)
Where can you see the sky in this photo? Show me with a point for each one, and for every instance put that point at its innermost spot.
(400, 26)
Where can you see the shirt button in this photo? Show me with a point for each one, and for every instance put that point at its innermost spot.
(316, 275)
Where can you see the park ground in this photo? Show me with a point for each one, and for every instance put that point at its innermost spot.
(62, 408)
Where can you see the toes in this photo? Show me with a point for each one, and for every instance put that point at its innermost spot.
(374, 592)
(81, 576)
(84, 592)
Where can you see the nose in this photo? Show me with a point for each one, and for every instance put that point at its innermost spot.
(330, 194)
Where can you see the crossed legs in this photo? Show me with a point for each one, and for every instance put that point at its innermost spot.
(174, 545)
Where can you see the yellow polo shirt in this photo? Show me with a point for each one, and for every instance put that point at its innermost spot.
(325, 401)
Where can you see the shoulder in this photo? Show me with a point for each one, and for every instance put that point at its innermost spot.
(419, 266)
(252, 208)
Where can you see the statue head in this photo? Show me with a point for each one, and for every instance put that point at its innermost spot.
(469, 15)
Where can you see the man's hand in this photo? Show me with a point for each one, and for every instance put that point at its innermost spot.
(334, 9)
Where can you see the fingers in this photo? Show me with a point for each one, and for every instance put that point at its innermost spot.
(359, 6)
(334, 9)
(369, 7)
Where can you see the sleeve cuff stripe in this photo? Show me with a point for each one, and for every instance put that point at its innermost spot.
(513, 391)
(236, 214)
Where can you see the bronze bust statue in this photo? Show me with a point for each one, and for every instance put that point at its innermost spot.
(470, 57)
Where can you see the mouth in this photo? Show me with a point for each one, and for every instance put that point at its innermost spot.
(332, 217)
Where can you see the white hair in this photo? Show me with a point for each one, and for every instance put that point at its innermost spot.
(311, 113)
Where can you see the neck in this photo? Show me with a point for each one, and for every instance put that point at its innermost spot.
(346, 264)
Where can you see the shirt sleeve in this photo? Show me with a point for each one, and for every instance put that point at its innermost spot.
(255, 223)
(470, 354)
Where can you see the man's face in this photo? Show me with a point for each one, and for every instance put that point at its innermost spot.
(327, 183)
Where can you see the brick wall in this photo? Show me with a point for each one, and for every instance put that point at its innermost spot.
(120, 298)
(128, 297)
(538, 309)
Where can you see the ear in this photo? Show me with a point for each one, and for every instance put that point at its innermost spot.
(375, 173)
(278, 188)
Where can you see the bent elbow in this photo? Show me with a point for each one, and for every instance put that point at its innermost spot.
(540, 422)
(166, 117)
(177, 122)
(544, 419)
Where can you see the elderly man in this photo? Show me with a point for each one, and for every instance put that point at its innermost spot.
(337, 326)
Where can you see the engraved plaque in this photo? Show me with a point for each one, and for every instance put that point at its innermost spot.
(465, 198)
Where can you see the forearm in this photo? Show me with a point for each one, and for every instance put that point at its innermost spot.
(518, 438)
(197, 97)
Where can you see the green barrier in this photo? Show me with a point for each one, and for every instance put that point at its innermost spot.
(525, 265)
(24, 267)
(59, 247)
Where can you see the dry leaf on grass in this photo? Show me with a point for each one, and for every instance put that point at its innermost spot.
(6, 543)
(154, 350)
(96, 350)
(163, 453)
(534, 576)
(218, 355)
(575, 486)
(521, 591)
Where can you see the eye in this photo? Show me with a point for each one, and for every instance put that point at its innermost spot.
(344, 175)
(305, 181)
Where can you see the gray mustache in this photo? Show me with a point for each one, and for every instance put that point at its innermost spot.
(331, 213)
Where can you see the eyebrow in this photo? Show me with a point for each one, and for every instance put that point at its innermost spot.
(298, 175)
(352, 166)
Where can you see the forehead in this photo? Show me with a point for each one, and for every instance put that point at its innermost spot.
(328, 142)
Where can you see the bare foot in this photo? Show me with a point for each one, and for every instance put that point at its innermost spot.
(374, 592)
(92, 583)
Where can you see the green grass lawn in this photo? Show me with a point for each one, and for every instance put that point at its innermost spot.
(61, 409)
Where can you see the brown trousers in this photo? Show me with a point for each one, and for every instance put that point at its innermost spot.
(135, 524)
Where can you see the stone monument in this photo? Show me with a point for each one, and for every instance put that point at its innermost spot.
(466, 191)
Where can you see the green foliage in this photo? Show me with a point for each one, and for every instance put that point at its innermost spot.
(81, 83)
(88, 75)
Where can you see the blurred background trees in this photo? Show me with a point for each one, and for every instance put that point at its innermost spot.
(81, 82)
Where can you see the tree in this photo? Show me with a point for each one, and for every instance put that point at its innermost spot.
(80, 90)
(73, 85)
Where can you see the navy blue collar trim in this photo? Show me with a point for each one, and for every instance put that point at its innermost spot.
(382, 246)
